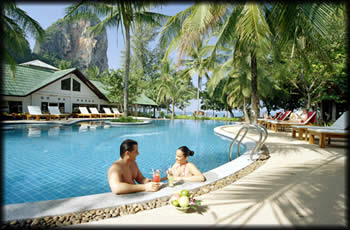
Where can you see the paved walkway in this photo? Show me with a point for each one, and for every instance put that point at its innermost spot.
(301, 184)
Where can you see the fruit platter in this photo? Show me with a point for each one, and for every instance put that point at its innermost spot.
(184, 201)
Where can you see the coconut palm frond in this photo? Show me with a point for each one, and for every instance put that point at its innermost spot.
(253, 29)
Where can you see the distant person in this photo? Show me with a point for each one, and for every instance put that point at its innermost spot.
(124, 172)
(184, 170)
(299, 116)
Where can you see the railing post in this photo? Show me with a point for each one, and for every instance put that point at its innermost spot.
(262, 138)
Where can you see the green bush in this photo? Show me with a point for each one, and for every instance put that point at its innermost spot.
(126, 119)
(161, 114)
(207, 118)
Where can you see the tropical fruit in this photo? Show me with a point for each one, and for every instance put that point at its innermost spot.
(175, 203)
(185, 192)
(184, 201)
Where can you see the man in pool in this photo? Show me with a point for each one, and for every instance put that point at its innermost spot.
(124, 172)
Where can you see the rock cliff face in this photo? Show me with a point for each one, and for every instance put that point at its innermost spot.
(71, 41)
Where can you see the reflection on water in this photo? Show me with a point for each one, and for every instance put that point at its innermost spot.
(34, 132)
(54, 131)
(92, 126)
(83, 128)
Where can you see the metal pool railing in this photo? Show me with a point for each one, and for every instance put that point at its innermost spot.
(262, 138)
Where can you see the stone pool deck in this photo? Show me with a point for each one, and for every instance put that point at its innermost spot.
(299, 185)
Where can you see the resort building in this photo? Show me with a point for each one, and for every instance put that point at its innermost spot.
(38, 83)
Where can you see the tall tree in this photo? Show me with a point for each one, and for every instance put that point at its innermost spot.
(171, 85)
(197, 64)
(16, 26)
(264, 27)
(121, 14)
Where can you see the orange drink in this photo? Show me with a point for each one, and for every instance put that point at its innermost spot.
(156, 176)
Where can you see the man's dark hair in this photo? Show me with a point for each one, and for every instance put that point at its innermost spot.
(127, 145)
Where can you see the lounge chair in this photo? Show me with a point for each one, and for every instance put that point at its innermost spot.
(311, 118)
(278, 116)
(340, 123)
(109, 113)
(324, 133)
(84, 112)
(116, 111)
(35, 111)
(96, 112)
(55, 113)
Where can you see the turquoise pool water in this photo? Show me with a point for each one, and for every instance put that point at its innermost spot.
(49, 162)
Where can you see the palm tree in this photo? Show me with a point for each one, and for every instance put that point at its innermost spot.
(172, 86)
(263, 27)
(93, 72)
(16, 25)
(119, 14)
(235, 75)
(198, 64)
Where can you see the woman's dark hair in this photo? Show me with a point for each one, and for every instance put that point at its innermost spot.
(127, 145)
(187, 152)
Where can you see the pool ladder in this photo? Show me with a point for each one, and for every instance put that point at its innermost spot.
(262, 138)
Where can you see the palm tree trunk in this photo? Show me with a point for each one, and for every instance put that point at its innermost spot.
(127, 64)
(245, 111)
(173, 110)
(254, 85)
(199, 88)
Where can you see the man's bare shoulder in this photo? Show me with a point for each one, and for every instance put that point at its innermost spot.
(115, 167)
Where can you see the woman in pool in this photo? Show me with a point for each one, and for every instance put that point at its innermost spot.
(184, 170)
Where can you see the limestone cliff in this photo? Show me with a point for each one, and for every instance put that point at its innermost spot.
(71, 41)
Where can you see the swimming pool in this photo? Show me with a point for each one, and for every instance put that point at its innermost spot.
(49, 162)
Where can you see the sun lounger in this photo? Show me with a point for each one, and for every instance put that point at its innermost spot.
(97, 113)
(109, 113)
(55, 113)
(84, 112)
(275, 125)
(340, 123)
(35, 111)
(116, 111)
(324, 133)
(279, 116)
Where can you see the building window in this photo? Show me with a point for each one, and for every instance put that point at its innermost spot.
(15, 107)
(76, 85)
(65, 84)
(44, 108)
(61, 107)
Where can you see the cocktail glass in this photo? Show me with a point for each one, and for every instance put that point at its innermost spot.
(156, 176)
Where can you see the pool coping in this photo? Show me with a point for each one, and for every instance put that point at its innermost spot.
(32, 210)
(72, 121)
